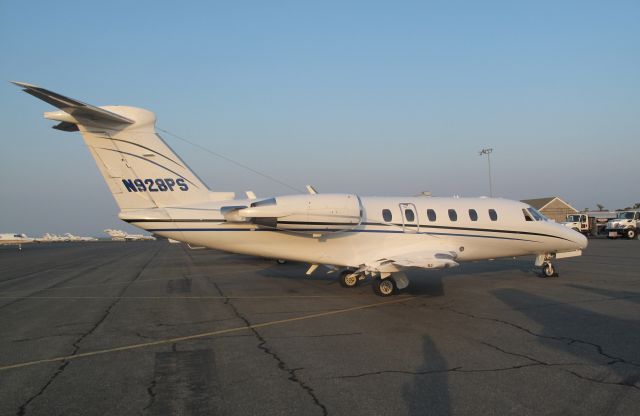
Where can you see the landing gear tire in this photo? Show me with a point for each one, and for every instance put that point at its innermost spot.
(348, 279)
(548, 270)
(631, 234)
(384, 287)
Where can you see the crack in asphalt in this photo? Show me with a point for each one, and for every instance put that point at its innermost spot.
(62, 334)
(568, 340)
(629, 381)
(73, 276)
(458, 369)
(37, 272)
(407, 372)
(344, 334)
(182, 324)
(22, 410)
(515, 354)
(151, 391)
(262, 345)
(76, 344)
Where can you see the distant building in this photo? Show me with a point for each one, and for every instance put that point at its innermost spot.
(552, 207)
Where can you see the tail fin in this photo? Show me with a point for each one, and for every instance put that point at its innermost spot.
(140, 169)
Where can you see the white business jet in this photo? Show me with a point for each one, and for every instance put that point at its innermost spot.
(119, 235)
(361, 236)
(12, 239)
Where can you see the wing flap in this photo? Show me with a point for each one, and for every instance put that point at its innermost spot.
(419, 259)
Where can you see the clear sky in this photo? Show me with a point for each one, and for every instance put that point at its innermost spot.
(375, 98)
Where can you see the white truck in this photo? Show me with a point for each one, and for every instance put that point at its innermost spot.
(626, 224)
(589, 223)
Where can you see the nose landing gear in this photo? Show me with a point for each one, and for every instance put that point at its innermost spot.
(544, 261)
(548, 270)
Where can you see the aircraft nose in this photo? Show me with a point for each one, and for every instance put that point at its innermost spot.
(580, 239)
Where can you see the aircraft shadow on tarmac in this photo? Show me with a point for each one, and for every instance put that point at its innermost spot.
(590, 336)
(423, 283)
(613, 294)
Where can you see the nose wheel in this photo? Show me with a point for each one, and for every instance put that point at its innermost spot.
(548, 270)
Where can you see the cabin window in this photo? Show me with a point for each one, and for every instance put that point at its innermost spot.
(493, 215)
(473, 215)
(431, 214)
(453, 216)
(527, 216)
(386, 215)
(409, 215)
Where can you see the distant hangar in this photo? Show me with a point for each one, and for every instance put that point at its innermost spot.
(552, 207)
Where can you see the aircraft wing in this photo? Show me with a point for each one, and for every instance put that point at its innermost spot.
(426, 259)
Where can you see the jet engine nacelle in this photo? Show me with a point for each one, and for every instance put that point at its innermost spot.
(313, 213)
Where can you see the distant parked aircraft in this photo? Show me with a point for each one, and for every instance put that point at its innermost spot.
(49, 238)
(54, 238)
(15, 240)
(119, 235)
(71, 237)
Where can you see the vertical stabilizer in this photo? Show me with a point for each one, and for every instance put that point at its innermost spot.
(139, 168)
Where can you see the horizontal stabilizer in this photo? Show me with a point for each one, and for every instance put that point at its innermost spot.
(81, 112)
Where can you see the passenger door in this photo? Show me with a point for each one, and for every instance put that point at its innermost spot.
(409, 214)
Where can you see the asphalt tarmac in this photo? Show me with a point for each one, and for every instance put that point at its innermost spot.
(153, 328)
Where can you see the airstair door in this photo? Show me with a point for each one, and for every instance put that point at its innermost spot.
(409, 214)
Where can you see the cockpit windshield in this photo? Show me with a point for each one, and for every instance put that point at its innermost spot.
(573, 218)
(625, 215)
(537, 215)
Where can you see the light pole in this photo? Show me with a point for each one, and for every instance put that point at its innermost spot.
(487, 151)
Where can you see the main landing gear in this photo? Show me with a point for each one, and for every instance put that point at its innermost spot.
(383, 284)
(349, 279)
(384, 287)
